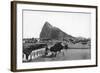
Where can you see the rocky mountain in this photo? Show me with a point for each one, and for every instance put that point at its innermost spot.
(53, 33)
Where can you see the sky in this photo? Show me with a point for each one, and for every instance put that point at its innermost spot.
(73, 23)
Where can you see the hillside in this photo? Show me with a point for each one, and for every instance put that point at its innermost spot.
(53, 33)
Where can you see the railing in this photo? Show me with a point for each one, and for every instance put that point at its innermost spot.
(34, 54)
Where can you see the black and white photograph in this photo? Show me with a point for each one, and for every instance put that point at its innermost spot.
(53, 36)
(56, 35)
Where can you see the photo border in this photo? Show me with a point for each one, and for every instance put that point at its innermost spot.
(14, 35)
